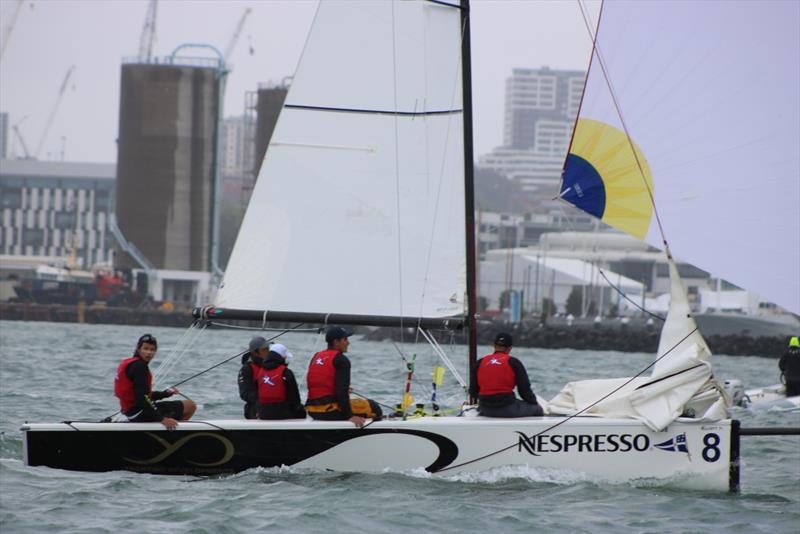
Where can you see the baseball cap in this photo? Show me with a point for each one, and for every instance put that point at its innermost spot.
(147, 338)
(504, 339)
(258, 342)
(281, 350)
(336, 332)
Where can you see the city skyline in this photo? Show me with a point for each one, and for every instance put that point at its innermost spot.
(49, 37)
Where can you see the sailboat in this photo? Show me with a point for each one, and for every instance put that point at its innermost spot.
(363, 214)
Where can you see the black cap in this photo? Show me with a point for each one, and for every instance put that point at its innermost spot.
(504, 339)
(147, 338)
(336, 332)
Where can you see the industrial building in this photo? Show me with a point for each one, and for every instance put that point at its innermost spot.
(166, 163)
(51, 210)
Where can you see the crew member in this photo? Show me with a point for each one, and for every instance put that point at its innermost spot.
(493, 383)
(329, 384)
(278, 396)
(133, 386)
(789, 365)
(252, 362)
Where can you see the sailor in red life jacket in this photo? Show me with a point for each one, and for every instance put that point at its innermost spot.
(278, 396)
(133, 386)
(252, 361)
(329, 384)
(493, 383)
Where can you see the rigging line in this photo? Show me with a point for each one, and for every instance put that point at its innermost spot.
(626, 297)
(593, 38)
(618, 108)
(186, 343)
(447, 361)
(172, 354)
(240, 354)
(212, 425)
(576, 414)
(175, 355)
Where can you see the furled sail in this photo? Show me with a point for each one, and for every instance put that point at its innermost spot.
(359, 206)
(681, 381)
(705, 115)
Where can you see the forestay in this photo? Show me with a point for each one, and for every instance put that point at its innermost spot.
(708, 95)
(359, 205)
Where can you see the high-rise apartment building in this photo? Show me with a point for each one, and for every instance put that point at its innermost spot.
(541, 102)
(237, 146)
(541, 106)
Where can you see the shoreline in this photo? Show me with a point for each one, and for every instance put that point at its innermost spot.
(637, 336)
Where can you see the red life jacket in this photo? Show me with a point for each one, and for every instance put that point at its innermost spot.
(271, 386)
(123, 386)
(321, 377)
(495, 375)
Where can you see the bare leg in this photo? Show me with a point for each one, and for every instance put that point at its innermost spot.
(189, 408)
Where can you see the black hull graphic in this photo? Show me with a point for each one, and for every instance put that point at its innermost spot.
(206, 452)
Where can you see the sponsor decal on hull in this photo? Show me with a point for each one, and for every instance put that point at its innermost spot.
(538, 444)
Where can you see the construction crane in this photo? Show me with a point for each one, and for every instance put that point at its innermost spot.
(148, 36)
(8, 28)
(15, 127)
(235, 37)
(53, 111)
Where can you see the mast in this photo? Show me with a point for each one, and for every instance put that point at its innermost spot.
(469, 188)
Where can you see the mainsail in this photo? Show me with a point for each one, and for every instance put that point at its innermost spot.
(697, 103)
(359, 205)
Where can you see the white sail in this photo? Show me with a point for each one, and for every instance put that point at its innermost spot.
(359, 206)
(708, 93)
(681, 381)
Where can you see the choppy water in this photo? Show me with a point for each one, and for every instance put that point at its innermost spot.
(53, 372)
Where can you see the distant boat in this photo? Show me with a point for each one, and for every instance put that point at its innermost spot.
(363, 214)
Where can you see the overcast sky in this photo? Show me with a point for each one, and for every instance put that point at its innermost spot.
(49, 36)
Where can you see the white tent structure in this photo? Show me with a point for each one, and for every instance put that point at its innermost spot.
(540, 276)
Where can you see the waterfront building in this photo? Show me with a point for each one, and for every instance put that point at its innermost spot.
(56, 209)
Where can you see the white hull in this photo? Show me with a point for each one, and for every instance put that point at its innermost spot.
(688, 454)
(771, 397)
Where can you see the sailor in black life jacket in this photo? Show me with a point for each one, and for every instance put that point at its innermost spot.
(278, 396)
(133, 385)
(329, 384)
(789, 365)
(252, 362)
(493, 383)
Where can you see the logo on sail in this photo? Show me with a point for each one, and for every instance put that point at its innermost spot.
(676, 444)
